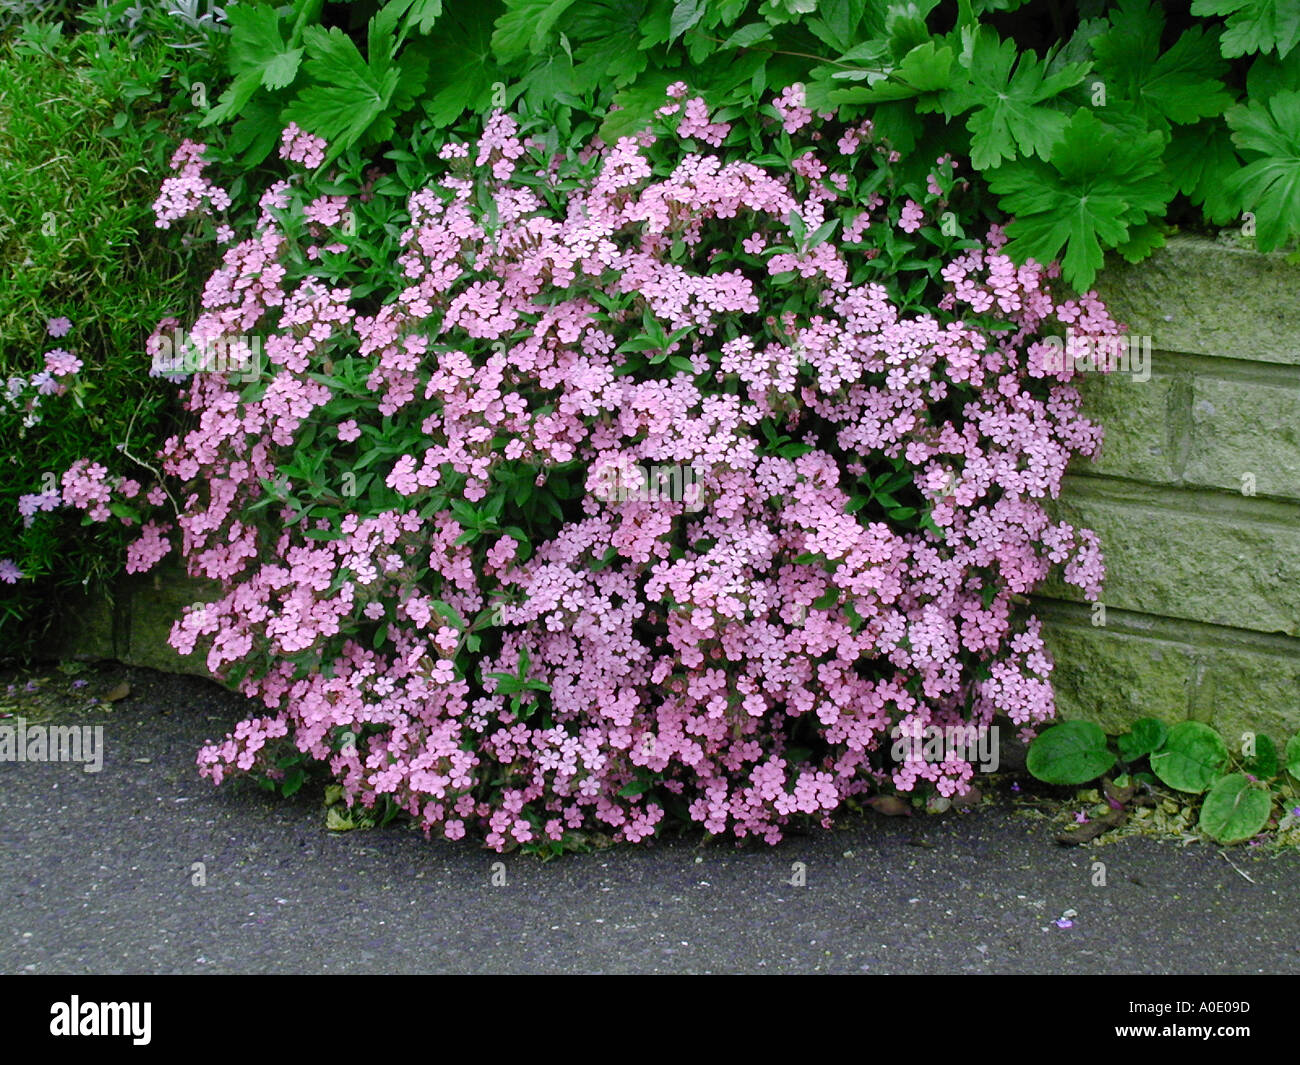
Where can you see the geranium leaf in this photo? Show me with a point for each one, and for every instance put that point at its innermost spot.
(1181, 86)
(1255, 25)
(462, 67)
(1008, 89)
(1096, 187)
(1269, 185)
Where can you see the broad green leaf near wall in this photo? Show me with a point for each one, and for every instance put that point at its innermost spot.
(1203, 161)
(1097, 188)
(1292, 756)
(1235, 809)
(1264, 763)
(1073, 752)
(1268, 135)
(1146, 735)
(1193, 757)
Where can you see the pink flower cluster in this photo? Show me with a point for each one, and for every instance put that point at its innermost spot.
(85, 486)
(739, 663)
(299, 146)
(188, 192)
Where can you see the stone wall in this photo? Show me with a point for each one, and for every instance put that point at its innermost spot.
(1196, 498)
(132, 626)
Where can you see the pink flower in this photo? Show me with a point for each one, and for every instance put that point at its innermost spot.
(299, 146)
(58, 327)
(61, 363)
(524, 649)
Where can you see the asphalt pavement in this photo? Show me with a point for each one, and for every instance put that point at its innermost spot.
(145, 868)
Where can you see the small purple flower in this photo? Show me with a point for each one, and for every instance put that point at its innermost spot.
(1015, 787)
(58, 327)
(10, 574)
(31, 686)
(79, 683)
(1295, 811)
(1063, 922)
(1081, 817)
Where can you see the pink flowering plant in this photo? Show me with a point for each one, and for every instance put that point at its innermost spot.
(585, 491)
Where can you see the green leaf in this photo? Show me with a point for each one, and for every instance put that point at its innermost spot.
(1264, 762)
(525, 27)
(550, 77)
(925, 70)
(1007, 89)
(259, 58)
(1142, 241)
(838, 22)
(1203, 161)
(1235, 809)
(1098, 184)
(686, 13)
(827, 599)
(1146, 735)
(450, 614)
(1255, 25)
(347, 94)
(281, 69)
(1193, 757)
(462, 66)
(1293, 756)
(1268, 135)
(748, 35)
(600, 32)
(1072, 752)
(905, 24)
(637, 106)
(1181, 86)
(422, 14)
(256, 44)
(338, 821)
(1269, 75)
(821, 234)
